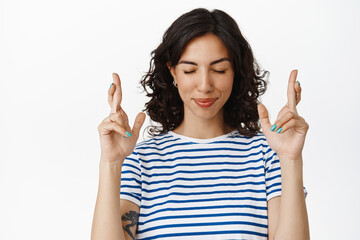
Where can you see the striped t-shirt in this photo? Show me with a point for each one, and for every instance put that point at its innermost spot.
(191, 188)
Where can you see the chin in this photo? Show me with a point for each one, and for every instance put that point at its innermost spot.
(205, 114)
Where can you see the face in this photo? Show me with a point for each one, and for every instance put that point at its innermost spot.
(204, 75)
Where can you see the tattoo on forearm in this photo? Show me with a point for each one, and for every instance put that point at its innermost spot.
(133, 217)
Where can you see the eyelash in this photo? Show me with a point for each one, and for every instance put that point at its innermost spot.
(188, 72)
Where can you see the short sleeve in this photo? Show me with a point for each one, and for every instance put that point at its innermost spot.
(272, 173)
(131, 179)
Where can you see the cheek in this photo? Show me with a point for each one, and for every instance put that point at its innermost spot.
(226, 85)
(185, 89)
(185, 85)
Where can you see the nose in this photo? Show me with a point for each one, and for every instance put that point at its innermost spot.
(204, 82)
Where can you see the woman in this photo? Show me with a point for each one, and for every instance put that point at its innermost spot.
(207, 172)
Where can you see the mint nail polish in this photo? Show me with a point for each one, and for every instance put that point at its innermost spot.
(273, 127)
(298, 83)
(111, 85)
(129, 134)
(279, 130)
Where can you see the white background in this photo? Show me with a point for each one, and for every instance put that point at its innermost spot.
(56, 60)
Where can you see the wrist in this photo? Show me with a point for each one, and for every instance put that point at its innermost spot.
(291, 160)
(112, 168)
(291, 169)
(105, 162)
(111, 159)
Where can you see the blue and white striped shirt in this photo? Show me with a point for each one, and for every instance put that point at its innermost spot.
(190, 188)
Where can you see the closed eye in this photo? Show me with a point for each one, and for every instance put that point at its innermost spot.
(187, 72)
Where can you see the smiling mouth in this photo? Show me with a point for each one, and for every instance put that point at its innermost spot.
(205, 102)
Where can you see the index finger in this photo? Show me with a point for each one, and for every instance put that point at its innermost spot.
(291, 94)
(117, 95)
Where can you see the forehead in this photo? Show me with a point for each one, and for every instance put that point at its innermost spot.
(205, 49)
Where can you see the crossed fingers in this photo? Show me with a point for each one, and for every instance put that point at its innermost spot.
(115, 94)
(293, 91)
(117, 114)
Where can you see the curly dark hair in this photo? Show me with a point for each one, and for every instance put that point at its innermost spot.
(166, 107)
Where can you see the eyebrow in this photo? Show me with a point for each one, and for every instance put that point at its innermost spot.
(212, 63)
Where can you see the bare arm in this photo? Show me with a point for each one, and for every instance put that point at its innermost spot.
(287, 214)
(107, 216)
(130, 218)
(273, 206)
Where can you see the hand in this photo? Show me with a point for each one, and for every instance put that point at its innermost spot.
(288, 136)
(117, 139)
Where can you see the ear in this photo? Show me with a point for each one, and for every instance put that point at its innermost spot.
(172, 70)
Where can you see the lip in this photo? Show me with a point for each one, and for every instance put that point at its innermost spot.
(205, 102)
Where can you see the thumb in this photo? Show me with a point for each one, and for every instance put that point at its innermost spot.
(139, 120)
(263, 116)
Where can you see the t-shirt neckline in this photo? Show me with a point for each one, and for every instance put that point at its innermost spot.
(199, 140)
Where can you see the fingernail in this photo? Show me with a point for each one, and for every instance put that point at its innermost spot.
(129, 134)
(125, 136)
(111, 85)
(273, 127)
(279, 130)
(298, 83)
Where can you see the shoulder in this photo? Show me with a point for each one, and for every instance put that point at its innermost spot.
(155, 141)
(256, 144)
(258, 138)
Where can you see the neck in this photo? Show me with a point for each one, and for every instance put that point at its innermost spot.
(194, 127)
